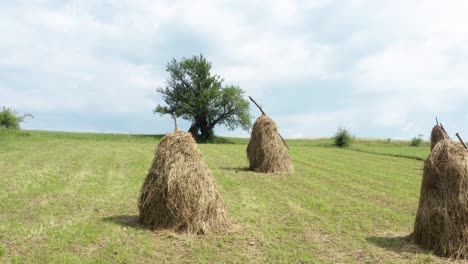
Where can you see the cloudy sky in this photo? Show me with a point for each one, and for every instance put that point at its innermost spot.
(382, 69)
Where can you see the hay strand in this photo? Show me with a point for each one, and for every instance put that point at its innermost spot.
(442, 219)
(266, 152)
(179, 192)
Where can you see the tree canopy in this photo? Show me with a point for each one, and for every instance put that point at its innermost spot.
(194, 94)
(11, 119)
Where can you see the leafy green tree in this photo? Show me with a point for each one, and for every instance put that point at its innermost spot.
(416, 141)
(194, 94)
(11, 119)
(342, 138)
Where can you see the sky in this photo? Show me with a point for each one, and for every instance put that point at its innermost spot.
(381, 69)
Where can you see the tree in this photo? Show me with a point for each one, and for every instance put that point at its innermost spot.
(342, 137)
(194, 94)
(10, 119)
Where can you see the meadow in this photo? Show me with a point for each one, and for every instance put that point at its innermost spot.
(72, 198)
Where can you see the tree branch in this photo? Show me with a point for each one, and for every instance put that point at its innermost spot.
(224, 115)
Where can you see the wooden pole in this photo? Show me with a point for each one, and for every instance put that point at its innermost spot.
(442, 126)
(175, 122)
(283, 140)
(259, 107)
(461, 141)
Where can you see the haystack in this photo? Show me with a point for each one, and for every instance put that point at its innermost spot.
(266, 151)
(179, 192)
(438, 133)
(442, 218)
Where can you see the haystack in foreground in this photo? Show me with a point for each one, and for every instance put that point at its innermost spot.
(266, 151)
(442, 218)
(179, 192)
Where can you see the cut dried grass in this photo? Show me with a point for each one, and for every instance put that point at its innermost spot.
(266, 151)
(179, 191)
(442, 219)
(438, 134)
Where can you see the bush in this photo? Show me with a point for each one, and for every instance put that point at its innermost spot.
(10, 119)
(416, 141)
(342, 138)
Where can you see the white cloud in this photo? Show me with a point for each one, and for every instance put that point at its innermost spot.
(400, 59)
(62, 43)
(317, 124)
(421, 66)
(408, 126)
(256, 52)
(50, 59)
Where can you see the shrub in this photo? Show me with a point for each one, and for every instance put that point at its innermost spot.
(416, 141)
(11, 119)
(342, 137)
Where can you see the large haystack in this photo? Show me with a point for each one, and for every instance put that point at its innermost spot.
(266, 151)
(442, 218)
(179, 192)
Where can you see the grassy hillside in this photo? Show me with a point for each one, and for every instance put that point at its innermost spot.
(69, 198)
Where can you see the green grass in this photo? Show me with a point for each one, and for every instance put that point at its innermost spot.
(71, 198)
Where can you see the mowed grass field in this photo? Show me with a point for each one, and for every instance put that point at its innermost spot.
(72, 198)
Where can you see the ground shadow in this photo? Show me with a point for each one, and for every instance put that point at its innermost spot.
(217, 140)
(236, 169)
(148, 136)
(389, 154)
(398, 244)
(124, 220)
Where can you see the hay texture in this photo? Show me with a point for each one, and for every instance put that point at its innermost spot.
(179, 191)
(442, 218)
(438, 134)
(266, 151)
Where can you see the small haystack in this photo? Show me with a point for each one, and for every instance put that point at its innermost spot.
(179, 192)
(267, 152)
(442, 218)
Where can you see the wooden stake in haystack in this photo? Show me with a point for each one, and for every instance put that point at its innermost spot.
(179, 192)
(438, 133)
(442, 219)
(267, 151)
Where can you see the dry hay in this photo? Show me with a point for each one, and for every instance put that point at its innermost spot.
(442, 218)
(438, 133)
(266, 151)
(179, 191)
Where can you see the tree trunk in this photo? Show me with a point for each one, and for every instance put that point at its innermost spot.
(207, 134)
(201, 130)
(204, 132)
(194, 130)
